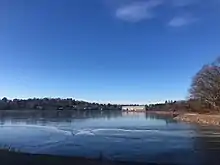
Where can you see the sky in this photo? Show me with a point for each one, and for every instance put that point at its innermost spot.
(118, 51)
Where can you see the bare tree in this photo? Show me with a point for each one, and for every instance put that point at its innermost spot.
(206, 85)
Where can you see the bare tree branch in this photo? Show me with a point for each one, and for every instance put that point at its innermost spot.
(206, 84)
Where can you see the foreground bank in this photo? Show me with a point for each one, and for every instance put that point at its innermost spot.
(14, 158)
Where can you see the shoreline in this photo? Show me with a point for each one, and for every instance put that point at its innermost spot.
(163, 112)
(202, 119)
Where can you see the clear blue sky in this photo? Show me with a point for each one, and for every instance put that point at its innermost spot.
(122, 51)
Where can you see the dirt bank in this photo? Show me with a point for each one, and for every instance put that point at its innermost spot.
(207, 119)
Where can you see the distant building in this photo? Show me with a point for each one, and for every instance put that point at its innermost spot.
(135, 108)
(40, 107)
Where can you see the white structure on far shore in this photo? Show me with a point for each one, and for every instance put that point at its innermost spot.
(134, 108)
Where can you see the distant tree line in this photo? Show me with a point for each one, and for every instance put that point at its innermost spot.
(190, 105)
(53, 104)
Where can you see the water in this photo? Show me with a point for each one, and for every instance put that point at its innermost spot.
(112, 135)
